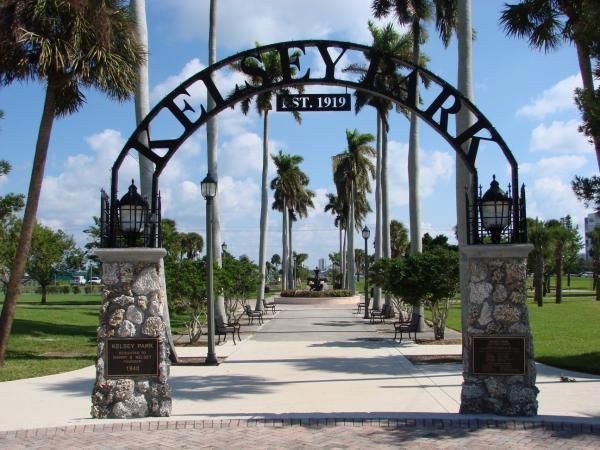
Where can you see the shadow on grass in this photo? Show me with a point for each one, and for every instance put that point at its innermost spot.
(585, 362)
(38, 328)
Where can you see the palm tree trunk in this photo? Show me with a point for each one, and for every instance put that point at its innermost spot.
(341, 254)
(291, 280)
(538, 279)
(142, 89)
(378, 225)
(211, 145)
(463, 121)
(559, 272)
(284, 250)
(350, 235)
(385, 210)
(587, 78)
(416, 245)
(343, 261)
(31, 206)
(264, 216)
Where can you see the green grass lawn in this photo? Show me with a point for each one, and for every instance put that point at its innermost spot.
(564, 335)
(54, 338)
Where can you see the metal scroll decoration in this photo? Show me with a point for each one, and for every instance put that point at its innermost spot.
(320, 62)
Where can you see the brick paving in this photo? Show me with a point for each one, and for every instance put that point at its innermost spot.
(310, 433)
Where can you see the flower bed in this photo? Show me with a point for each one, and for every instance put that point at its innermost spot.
(313, 294)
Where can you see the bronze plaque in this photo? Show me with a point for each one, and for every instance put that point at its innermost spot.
(129, 357)
(498, 355)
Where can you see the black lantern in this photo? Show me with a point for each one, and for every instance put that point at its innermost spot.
(133, 213)
(495, 209)
(208, 187)
(366, 233)
(223, 248)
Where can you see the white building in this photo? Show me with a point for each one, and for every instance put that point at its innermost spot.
(591, 221)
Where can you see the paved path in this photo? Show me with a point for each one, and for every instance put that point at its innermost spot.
(310, 378)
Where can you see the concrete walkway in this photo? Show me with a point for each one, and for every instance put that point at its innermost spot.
(310, 367)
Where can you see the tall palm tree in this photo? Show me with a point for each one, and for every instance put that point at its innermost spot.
(271, 73)
(142, 94)
(69, 46)
(413, 13)
(388, 44)
(352, 172)
(290, 194)
(549, 23)
(191, 245)
(336, 207)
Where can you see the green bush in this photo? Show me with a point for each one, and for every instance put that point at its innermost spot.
(65, 289)
(76, 289)
(327, 293)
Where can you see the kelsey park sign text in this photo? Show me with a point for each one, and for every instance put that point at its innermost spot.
(304, 63)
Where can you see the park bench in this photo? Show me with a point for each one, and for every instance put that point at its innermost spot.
(222, 330)
(411, 325)
(252, 314)
(269, 305)
(380, 314)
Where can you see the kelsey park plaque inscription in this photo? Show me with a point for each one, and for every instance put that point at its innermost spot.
(132, 357)
(498, 355)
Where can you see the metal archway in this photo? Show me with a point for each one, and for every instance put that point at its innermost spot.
(189, 110)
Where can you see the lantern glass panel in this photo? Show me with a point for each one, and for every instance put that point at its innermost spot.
(132, 218)
(495, 214)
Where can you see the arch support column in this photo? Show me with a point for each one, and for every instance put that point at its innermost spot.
(498, 367)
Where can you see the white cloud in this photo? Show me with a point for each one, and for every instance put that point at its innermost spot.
(563, 200)
(435, 167)
(557, 165)
(560, 137)
(240, 24)
(557, 98)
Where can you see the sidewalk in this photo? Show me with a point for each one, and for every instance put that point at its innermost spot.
(305, 371)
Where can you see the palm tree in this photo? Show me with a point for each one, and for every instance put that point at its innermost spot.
(290, 194)
(191, 245)
(69, 46)
(336, 207)
(549, 23)
(352, 172)
(390, 44)
(399, 239)
(413, 13)
(142, 94)
(270, 73)
(538, 235)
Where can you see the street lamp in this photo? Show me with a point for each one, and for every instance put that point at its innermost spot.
(133, 211)
(223, 249)
(208, 187)
(365, 234)
(495, 209)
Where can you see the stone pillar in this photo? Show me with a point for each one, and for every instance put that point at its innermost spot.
(132, 337)
(498, 367)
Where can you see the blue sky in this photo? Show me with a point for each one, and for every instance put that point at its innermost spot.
(527, 96)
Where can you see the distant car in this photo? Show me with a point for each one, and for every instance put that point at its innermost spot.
(95, 280)
(587, 274)
(78, 280)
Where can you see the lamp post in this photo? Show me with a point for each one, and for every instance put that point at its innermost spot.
(133, 211)
(208, 187)
(365, 234)
(495, 209)
(223, 249)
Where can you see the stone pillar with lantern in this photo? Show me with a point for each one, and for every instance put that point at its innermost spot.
(132, 365)
(498, 367)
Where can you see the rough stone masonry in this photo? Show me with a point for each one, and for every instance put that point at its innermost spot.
(497, 307)
(133, 304)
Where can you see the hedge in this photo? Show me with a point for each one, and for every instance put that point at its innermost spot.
(327, 293)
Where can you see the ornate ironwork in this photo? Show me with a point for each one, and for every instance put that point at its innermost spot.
(187, 104)
(111, 235)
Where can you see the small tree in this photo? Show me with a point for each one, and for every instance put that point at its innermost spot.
(237, 279)
(432, 277)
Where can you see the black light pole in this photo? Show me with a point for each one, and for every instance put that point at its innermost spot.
(208, 187)
(365, 234)
(223, 249)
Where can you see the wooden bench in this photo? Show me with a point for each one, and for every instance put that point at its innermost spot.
(270, 306)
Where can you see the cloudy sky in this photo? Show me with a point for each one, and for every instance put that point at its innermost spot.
(525, 94)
